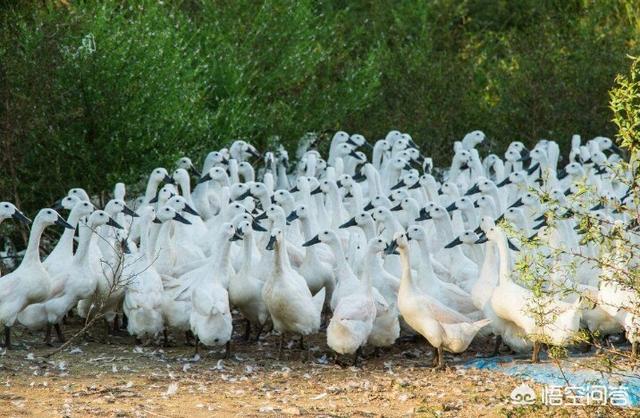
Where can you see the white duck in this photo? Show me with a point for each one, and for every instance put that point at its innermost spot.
(292, 307)
(29, 283)
(75, 282)
(444, 328)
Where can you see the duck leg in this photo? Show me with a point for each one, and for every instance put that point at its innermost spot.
(634, 349)
(356, 356)
(188, 335)
(165, 336)
(47, 336)
(227, 351)
(59, 333)
(434, 354)
(441, 363)
(535, 356)
(7, 337)
(197, 344)
(280, 346)
(259, 328)
(496, 347)
(301, 342)
(247, 330)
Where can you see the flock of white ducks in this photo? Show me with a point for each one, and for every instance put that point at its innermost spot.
(364, 248)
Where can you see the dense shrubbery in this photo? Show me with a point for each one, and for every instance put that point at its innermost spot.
(93, 92)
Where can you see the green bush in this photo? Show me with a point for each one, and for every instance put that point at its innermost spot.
(94, 92)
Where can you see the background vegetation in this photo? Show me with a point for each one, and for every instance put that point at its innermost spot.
(94, 92)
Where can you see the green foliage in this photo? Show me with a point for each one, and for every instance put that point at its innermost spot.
(94, 92)
(625, 104)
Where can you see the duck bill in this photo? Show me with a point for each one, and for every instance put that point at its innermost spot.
(194, 171)
(127, 211)
(272, 243)
(294, 189)
(540, 225)
(181, 219)
(292, 216)
(168, 180)
(452, 207)
(155, 199)
(391, 247)
(313, 241)
(454, 243)
(504, 182)
(368, 207)
(562, 174)
(415, 185)
(57, 205)
(204, 178)
(540, 218)
(257, 227)
(516, 204)
(237, 236)
(396, 207)
(61, 222)
(262, 216)
(533, 169)
(191, 211)
(355, 155)
(483, 238)
(424, 215)
(512, 245)
(254, 153)
(244, 195)
(113, 223)
(351, 222)
(19, 216)
(475, 189)
(315, 191)
(399, 185)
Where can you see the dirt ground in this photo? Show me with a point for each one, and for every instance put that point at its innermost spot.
(112, 377)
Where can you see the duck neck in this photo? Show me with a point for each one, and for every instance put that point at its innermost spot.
(84, 242)
(373, 262)
(444, 227)
(185, 186)
(222, 263)
(281, 259)
(152, 188)
(425, 260)
(503, 253)
(369, 229)
(32, 253)
(145, 240)
(406, 280)
(247, 250)
(341, 261)
(309, 228)
(66, 240)
(164, 240)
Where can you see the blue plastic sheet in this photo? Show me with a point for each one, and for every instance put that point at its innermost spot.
(549, 374)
